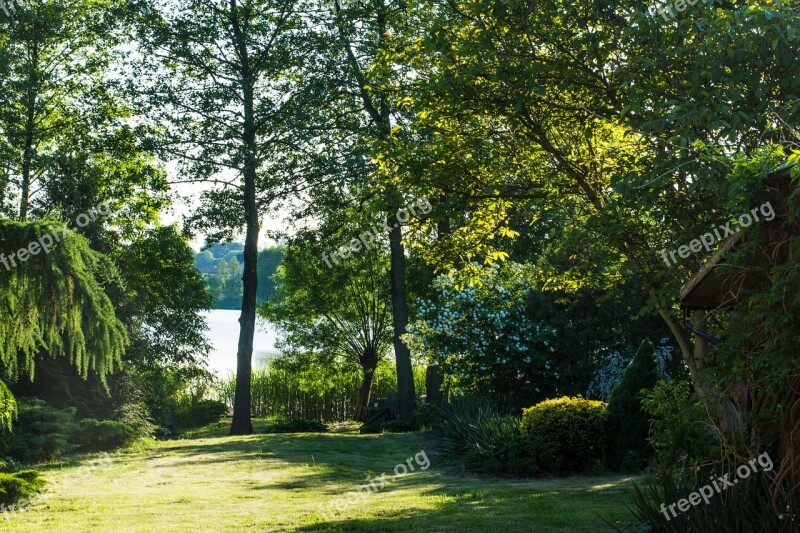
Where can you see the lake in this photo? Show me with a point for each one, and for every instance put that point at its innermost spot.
(223, 334)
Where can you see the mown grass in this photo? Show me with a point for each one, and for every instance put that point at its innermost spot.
(209, 481)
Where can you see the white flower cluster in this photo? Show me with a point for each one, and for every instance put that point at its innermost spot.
(483, 333)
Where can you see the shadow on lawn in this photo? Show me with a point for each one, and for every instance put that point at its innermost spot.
(338, 463)
(486, 509)
(332, 457)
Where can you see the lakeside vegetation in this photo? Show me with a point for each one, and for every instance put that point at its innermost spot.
(554, 244)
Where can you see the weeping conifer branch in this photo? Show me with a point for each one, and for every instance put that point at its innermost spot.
(56, 303)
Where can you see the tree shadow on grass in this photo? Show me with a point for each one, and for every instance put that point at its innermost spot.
(487, 508)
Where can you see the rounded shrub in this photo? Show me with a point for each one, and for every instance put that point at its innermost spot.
(569, 432)
(101, 435)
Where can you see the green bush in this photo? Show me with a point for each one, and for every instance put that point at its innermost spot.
(425, 415)
(628, 425)
(41, 432)
(401, 426)
(476, 434)
(298, 426)
(18, 486)
(571, 430)
(371, 429)
(201, 413)
(102, 435)
(683, 434)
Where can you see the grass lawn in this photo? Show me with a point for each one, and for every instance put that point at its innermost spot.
(209, 481)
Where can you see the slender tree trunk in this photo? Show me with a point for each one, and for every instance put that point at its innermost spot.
(27, 149)
(369, 362)
(402, 355)
(380, 113)
(242, 424)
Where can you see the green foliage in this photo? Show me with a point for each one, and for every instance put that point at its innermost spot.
(163, 303)
(346, 315)
(8, 408)
(424, 415)
(201, 413)
(483, 338)
(683, 433)
(103, 435)
(268, 262)
(57, 302)
(746, 507)
(225, 286)
(473, 432)
(628, 424)
(21, 485)
(572, 429)
(42, 432)
(298, 426)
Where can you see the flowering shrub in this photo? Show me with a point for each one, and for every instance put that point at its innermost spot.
(613, 367)
(483, 339)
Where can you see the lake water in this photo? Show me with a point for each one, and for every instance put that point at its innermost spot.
(223, 334)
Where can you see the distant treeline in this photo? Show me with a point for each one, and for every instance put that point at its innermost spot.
(221, 266)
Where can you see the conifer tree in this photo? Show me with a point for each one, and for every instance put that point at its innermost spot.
(628, 424)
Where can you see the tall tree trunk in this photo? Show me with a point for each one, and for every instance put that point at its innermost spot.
(30, 124)
(380, 114)
(402, 355)
(242, 424)
(369, 362)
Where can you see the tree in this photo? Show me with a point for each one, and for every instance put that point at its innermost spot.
(350, 37)
(225, 284)
(57, 103)
(55, 303)
(484, 339)
(514, 102)
(268, 262)
(338, 314)
(225, 99)
(628, 424)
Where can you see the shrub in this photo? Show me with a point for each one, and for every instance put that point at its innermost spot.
(101, 435)
(424, 415)
(371, 429)
(628, 424)
(393, 425)
(473, 432)
(289, 388)
(572, 430)
(298, 426)
(683, 435)
(41, 432)
(488, 327)
(201, 413)
(400, 426)
(20, 485)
